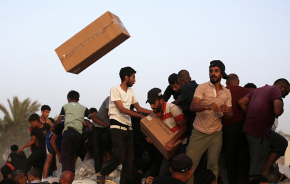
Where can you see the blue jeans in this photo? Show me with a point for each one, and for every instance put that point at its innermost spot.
(166, 164)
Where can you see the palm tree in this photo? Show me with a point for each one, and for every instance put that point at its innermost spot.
(14, 127)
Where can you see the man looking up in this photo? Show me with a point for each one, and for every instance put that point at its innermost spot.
(235, 145)
(211, 102)
(262, 106)
(187, 90)
(122, 96)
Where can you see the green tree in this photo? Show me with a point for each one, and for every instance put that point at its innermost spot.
(14, 126)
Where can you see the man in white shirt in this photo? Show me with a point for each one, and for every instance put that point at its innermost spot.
(122, 96)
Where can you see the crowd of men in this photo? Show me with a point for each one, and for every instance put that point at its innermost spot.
(227, 133)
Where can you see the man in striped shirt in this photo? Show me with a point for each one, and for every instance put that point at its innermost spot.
(172, 116)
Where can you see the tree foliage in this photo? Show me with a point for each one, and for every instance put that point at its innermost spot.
(14, 125)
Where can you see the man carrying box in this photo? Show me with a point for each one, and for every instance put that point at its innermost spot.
(172, 116)
(122, 96)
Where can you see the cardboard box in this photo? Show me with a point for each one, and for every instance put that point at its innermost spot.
(92, 43)
(153, 127)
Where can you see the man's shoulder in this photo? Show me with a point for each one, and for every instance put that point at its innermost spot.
(115, 87)
(190, 84)
(73, 104)
(238, 89)
(46, 125)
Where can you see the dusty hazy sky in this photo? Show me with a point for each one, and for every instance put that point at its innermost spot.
(250, 37)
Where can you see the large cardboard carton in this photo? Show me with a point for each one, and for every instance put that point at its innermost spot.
(153, 127)
(92, 43)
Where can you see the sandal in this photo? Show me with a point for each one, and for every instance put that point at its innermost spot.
(100, 179)
(270, 177)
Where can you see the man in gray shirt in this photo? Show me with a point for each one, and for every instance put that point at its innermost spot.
(101, 141)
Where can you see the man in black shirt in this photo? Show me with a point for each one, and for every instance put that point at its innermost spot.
(187, 90)
(16, 160)
(173, 89)
(181, 171)
(39, 131)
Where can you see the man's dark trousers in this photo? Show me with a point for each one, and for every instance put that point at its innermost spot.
(237, 153)
(71, 140)
(123, 153)
(34, 156)
(98, 146)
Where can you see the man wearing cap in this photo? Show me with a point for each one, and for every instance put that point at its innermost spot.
(211, 102)
(181, 171)
(172, 117)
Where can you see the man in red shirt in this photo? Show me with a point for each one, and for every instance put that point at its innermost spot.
(235, 145)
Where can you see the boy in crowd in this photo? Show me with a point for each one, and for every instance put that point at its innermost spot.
(45, 110)
(6, 170)
(16, 160)
(74, 113)
(122, 96)
(172, 117)
(211, 102)
(94, 111)
(39, 131)
(53, 146)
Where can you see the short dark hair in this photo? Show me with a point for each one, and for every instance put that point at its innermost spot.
(6, 170)
(126, 71)
(282, 81)
(52, 120)
(8, 181)
(258, 180)
(183, 75)
(233, 77)
(173, 79)
(14, 147)
(45, 107)
(205, 177)
(92, 110)
(73, 95)
(250, 85)
(35, 172)
(16, 175)
(34, 117)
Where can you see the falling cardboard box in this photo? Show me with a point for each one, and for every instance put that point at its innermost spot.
(92, 43)
(153, 127)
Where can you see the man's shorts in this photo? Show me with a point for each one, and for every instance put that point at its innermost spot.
(258, 152)
(49, 149)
